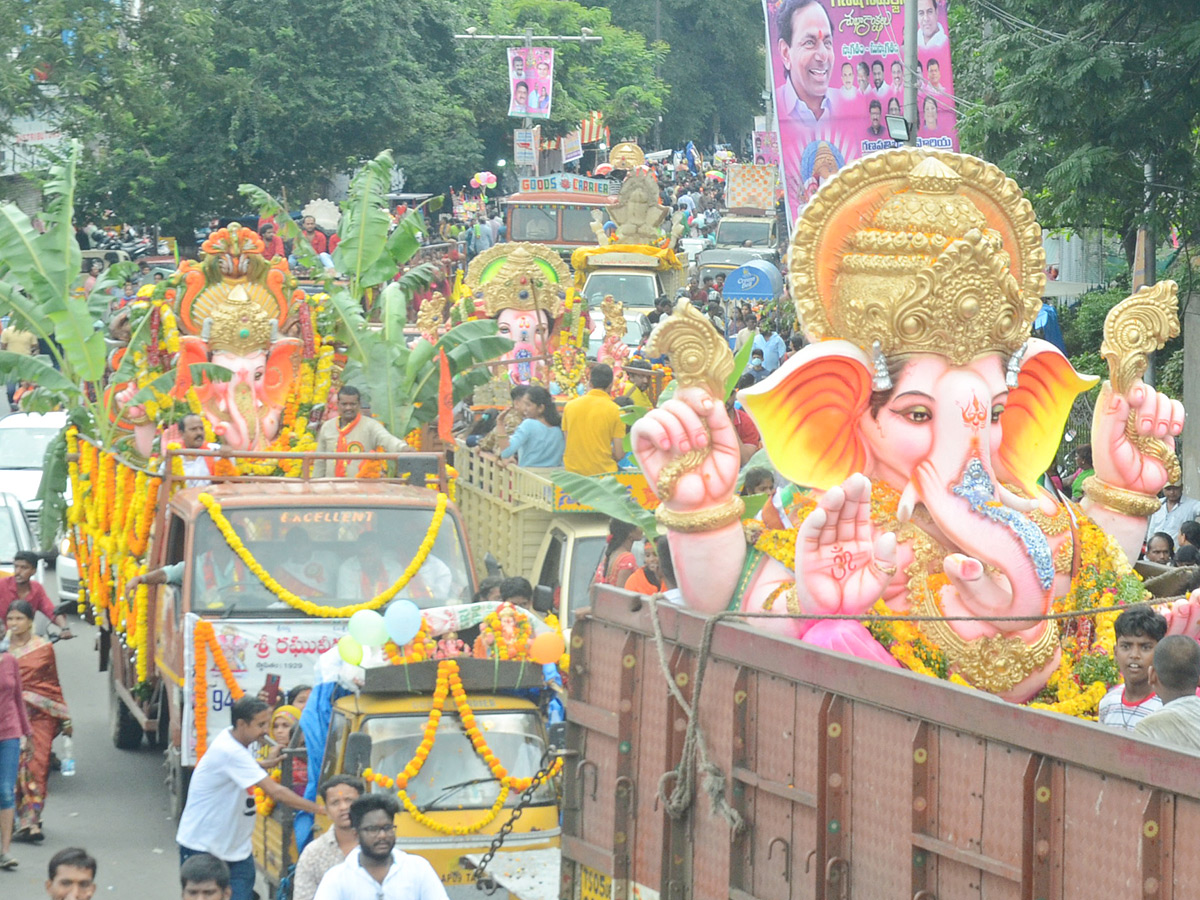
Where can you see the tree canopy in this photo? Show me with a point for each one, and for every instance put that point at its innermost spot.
(715, 68)
(180, 103)
(1073, 99)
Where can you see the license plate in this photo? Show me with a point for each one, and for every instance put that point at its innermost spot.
(594, 885)
(458, 876)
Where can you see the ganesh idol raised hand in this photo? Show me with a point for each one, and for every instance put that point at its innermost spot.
(919, 419)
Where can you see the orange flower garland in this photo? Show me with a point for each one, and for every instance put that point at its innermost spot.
(421, 647)
(204, 638)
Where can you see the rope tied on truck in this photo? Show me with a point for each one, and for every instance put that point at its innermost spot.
(695, 747)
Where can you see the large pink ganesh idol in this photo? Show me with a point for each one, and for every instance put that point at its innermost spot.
(523, 286)
(921, 417)
(232, 308)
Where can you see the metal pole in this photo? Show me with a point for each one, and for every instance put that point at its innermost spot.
(910, 69)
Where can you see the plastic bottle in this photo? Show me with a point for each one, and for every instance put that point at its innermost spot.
(68, 757)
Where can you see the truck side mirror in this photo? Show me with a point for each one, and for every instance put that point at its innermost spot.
(492, 565)
(556, 737)
(644, 324)
(543, 599)
(358, 753)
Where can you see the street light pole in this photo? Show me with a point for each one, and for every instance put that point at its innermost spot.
(910, 69)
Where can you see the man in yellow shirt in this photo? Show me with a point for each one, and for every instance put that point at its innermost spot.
(594, 431)
(638, 389)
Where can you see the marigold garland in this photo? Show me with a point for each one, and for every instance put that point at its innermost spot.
(307, 606)
(204, 639)
(449, 683)
(421, 647)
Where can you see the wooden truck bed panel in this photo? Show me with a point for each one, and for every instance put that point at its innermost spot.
(853, 780)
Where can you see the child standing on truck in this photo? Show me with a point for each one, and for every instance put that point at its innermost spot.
(1138, 630)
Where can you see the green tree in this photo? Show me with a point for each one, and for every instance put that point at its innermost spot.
(715, 66)
(1072, 100)
(178, 106)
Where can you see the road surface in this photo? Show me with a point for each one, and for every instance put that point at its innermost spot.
(116, 805)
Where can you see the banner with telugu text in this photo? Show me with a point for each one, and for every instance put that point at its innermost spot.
(837, 68)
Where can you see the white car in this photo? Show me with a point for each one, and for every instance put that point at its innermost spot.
(24, 438)
(16, 536)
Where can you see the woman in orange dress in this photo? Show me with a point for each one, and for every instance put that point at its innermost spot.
(48, 717)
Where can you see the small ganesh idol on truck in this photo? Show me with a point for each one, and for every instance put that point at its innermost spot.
(919, 419)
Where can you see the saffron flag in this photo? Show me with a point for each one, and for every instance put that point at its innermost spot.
(445, 399)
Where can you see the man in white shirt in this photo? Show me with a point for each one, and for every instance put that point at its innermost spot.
(373, 570)
(376, 870)
(1175, 676)
(219, 815)
(198, 469)
(1175, 510)
(929, 33)
(806, 49)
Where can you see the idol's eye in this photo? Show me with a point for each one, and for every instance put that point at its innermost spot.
(997, 412)
(918, 415)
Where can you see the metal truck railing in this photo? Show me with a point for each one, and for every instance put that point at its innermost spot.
(846, 779)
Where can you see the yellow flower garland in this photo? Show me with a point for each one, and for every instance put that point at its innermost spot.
(307, 606)
(448, 683)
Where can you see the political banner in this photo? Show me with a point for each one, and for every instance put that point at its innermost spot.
(838, 73)
(524, 148)
(531, 81)
(766, 148)
(572, 146)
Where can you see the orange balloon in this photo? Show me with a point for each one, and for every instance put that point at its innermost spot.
(547, 648)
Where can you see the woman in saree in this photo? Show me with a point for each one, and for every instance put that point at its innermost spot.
(48, 717)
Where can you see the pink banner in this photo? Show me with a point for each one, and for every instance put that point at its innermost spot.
(766, 148)
(838, 72)
(531, 81)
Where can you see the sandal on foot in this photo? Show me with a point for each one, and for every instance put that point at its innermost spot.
(7, 862)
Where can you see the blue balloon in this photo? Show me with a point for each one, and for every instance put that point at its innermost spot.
(403, 620)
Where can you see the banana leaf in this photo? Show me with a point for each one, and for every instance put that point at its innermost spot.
(365, 221)
(739, 367)
(36, 370)
(608, 496)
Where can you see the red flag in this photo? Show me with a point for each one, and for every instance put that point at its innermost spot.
(445, 399)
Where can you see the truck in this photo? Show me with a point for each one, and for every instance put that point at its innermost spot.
(180, 652)
(750, 200)
(556, 210)
(537, 529)
(827, 776)
(633, 275)
(380, 728)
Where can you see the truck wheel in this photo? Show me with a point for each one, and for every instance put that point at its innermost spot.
(126, 730)
(162, 735)
(178, 780)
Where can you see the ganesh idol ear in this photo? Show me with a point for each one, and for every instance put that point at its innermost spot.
(808, 411)
(1037, 409)
(283, 362)
(192, 350)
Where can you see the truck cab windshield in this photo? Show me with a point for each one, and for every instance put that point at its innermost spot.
(334, 557)
(735, 234)
(454, 776)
